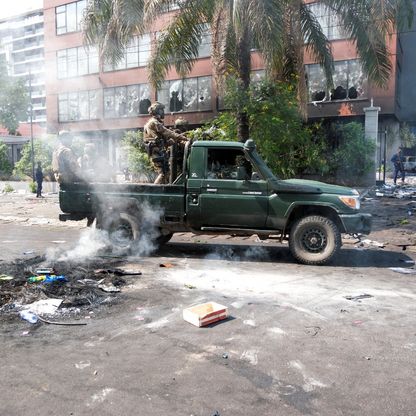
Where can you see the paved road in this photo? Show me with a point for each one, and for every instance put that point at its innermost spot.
(295, 344)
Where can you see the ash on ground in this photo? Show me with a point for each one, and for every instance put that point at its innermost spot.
(80, 288)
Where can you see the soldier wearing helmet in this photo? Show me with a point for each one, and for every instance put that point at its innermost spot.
(158, 138)
(64, 163)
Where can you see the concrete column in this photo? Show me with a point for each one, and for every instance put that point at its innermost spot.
(371, 134)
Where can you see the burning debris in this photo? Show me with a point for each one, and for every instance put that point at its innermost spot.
(34, 292)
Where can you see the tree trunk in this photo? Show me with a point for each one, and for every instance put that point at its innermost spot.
(244, 65)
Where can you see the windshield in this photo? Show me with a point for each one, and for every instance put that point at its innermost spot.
(261, 165)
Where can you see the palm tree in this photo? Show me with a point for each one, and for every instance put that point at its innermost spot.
(280, 30)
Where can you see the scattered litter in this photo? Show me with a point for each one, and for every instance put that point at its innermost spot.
(358, 322)
(45, 270)
(166, 265)
(358, 297)
(367, 358)
(225, 356)
(45, 306)
(29, 316)
(343, 311)
(29, 252)
(47, 279)
(46, 321)
(216, 413)
(205, 314)
(108, 288)
(58, 241)
(118, 272)
(372, 243)
(90, 282)
(6, 277)
(313, 330)
(189, 286)
(402, 270)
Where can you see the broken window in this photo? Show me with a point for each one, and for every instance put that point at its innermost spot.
(191, 94)
(348, 77)
(126, 101)
(204, 48)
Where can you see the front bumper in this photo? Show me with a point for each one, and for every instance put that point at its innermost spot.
(357, 223)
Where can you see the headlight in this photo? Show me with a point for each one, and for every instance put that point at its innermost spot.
(350, 201)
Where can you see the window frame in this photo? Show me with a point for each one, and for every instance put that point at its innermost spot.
(74, 96)
(80, 6)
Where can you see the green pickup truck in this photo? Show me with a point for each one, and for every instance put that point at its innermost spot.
(224, 188)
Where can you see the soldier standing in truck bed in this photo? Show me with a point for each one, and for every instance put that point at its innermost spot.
(64, 162)
(158, 138)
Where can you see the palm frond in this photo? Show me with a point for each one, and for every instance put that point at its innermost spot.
(316, 42)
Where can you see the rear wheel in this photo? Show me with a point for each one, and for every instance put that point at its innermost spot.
(314, 240)
(163, 237)
(123, 230)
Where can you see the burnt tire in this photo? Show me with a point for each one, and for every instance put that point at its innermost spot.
(314, 240)
(123, 230)
(163, 237)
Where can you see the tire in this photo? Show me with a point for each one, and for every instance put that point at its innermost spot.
(163, 238)
(314, 240)
(123, 230)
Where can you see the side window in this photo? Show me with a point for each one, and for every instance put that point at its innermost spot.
(228, 164)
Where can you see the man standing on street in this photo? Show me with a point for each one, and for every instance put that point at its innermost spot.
(158, 138)
(39, 180)
(398, 160)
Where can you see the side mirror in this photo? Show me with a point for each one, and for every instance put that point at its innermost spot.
(255, 176)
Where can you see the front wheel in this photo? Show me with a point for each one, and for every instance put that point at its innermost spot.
(314, 240)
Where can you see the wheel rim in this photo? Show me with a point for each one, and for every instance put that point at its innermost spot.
(314, 240)
(121, 233)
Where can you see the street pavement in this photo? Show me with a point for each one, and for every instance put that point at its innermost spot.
(293, 345)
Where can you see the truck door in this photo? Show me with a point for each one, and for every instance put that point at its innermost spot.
(231, 195)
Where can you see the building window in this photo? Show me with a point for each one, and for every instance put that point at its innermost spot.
(329, 21)
(137, 53)
(349, 81)
(190, 94)
(75, 106)
(75, 62)
(69, 17)
(204, 48)
(126, 101)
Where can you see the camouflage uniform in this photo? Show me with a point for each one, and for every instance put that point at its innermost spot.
(159, 138)
(64, 163)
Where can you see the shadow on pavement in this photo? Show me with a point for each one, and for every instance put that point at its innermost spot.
(279, 254)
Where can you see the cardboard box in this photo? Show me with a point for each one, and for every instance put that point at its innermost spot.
(205, 314)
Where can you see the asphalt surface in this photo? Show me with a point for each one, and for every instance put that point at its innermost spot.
(293, 345)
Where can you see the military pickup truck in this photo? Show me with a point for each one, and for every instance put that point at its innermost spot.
(224, 188)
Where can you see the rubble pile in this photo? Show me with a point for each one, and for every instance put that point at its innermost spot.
(69, 288)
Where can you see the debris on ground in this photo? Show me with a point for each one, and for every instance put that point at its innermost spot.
(358, 297)
(168, 265)
(28, 286)
(205, 314)
(371, 243)
(403, 270)
(189, 286)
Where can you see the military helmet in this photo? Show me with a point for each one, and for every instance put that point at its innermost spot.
(64, 136)
(181, 122)
(155, 108)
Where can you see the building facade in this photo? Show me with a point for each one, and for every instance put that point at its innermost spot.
(101, 101)
(22, 48)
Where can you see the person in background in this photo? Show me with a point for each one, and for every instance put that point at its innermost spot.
(398, 160)
(39, 180)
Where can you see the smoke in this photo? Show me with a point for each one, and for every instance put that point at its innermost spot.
(232, 254)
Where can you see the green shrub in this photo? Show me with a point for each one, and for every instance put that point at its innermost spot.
(138, 161)
(8, 188)
(32, 187)
(5, 166)
(353, 157)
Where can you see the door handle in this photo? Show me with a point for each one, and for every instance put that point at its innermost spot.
(194, 199)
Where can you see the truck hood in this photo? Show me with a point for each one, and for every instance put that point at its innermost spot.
(312, 187)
